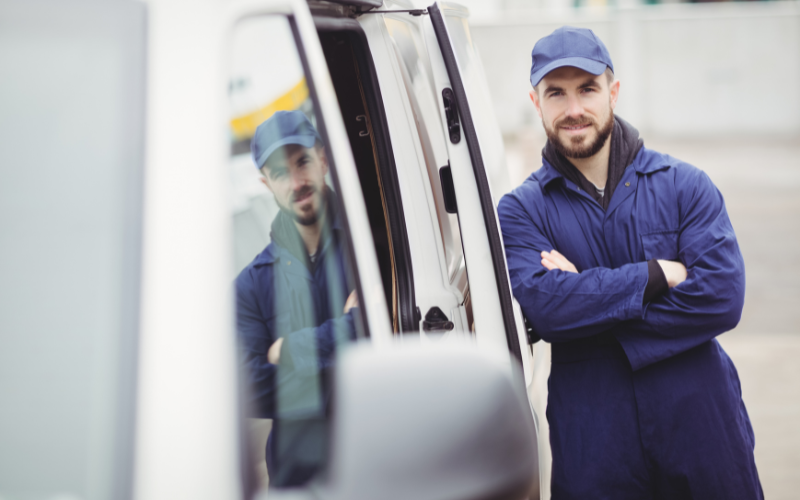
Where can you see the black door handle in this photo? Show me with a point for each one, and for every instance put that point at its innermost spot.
(448, 189)
(451, 112)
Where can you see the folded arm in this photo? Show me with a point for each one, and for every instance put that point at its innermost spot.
(705, 295)
(709, 302)
(302, 354)
(563, 305)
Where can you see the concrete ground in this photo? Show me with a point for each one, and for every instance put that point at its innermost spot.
(760, 180)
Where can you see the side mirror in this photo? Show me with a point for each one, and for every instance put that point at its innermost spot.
(437, 421)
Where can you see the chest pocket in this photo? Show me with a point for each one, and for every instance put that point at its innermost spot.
(660, 245)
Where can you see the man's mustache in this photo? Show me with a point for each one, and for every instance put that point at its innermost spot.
(571, 122)
(303, 192)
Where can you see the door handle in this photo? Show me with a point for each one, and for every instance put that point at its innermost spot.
(448, 189)
(451, 112)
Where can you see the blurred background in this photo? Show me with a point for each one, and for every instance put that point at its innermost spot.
(714, 84)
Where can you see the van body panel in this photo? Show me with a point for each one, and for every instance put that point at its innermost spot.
(432, 281)
(187, 440)
(490, 327)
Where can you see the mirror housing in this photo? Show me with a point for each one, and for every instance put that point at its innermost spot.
(429, 421)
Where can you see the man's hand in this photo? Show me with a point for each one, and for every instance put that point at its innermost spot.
(554, 260)
(274, 353)
(352, 301)
(675, 272)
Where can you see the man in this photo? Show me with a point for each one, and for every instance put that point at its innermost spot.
(625, 260)
(290, 300)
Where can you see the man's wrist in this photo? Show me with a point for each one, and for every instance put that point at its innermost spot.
(675, 272)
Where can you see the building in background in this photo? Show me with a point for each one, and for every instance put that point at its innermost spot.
(687, 70)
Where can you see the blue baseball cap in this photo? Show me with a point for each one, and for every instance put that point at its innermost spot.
(569, 46)
(281, 129)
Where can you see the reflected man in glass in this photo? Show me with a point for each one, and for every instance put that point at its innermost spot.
(293, 302)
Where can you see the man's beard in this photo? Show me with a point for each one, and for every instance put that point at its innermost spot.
(306, 219)
(574, 149)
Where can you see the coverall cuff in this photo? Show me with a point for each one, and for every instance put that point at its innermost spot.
(656, 281)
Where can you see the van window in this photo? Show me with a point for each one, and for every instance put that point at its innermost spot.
(296, 299)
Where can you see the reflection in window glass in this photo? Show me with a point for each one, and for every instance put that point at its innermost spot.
(295, 300)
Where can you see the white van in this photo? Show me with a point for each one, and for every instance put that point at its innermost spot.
(132, 203)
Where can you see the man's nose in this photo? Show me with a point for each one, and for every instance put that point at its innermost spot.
(298, 180)
(574, 106)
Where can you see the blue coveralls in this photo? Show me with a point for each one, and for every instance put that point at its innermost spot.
(278, 296)
(643, 402)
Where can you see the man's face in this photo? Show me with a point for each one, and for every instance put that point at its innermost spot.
(296, 176)
(577, 110)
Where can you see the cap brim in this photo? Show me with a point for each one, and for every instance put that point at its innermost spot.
(588, 65)
(306, 141)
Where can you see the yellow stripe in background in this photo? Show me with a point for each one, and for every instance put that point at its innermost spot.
(244, 126)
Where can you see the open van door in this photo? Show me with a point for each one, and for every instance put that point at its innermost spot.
(299, 299)
(196, 98)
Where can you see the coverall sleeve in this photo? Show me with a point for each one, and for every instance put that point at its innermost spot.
(710, 301)
(255, 338)
(309, 351)
(560, 305)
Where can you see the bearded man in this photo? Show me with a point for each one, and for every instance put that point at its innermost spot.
(291, 310)
(624, 259)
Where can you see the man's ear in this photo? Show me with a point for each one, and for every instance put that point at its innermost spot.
(323, 158)
(614, 94)
(535, 98)
(265, 181)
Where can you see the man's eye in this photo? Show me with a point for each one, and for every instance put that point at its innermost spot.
(279, 174)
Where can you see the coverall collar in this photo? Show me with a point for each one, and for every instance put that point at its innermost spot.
(643, 164)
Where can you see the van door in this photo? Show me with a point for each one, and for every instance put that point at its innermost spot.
(218, 78)
(479, 176)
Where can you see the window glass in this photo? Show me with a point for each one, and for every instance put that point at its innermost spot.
(295, 296)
